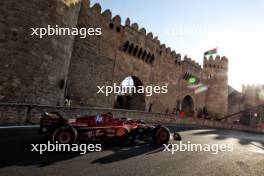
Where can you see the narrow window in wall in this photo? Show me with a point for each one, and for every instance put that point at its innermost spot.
(135, 51)
(139, 53)
(126, 46)
(131, 48)
(150, 108)
(148, 57)
(151, 59)
(144, 55)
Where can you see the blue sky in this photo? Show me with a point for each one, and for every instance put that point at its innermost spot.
(191, 27)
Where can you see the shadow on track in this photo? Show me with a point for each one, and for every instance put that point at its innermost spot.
(244, 138)
(15, 150)
(125, 152)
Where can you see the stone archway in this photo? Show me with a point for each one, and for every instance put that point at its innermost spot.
(130, 99)
(188, 105)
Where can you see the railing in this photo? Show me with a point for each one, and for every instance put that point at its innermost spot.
(243, 111)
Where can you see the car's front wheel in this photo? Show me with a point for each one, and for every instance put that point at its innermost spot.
(64, 135)
(160, 135)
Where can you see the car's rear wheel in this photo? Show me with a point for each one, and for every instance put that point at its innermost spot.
(64, 136)
(160, 135)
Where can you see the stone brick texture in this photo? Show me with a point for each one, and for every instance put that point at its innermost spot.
(43, 71)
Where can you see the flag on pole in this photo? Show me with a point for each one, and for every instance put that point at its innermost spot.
(210, 52)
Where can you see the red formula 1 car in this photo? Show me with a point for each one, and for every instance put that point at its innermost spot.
(101, 127)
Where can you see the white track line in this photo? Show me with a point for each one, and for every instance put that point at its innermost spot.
(22, 126)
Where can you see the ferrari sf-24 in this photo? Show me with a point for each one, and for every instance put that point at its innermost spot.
(101, 127)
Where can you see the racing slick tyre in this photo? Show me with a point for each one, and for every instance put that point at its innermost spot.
(64, 135)
(160, 135)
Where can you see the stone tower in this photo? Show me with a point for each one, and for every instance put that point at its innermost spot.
(34, 69)
(216, 99)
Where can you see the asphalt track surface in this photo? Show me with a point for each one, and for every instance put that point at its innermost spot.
(16, 157)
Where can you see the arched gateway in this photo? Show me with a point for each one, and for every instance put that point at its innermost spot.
(129, 98)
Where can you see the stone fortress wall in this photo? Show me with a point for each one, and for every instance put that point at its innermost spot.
(253, 95)
(247, 106)
(43, 71)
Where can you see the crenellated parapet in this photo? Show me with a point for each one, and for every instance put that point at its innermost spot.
(161, 49)
(217, 62)
(115, 23)
(157, 48)
(107, 14)
(191, 62)
(141, 31)
(252, 87)
(176, 57)
(96, 8)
